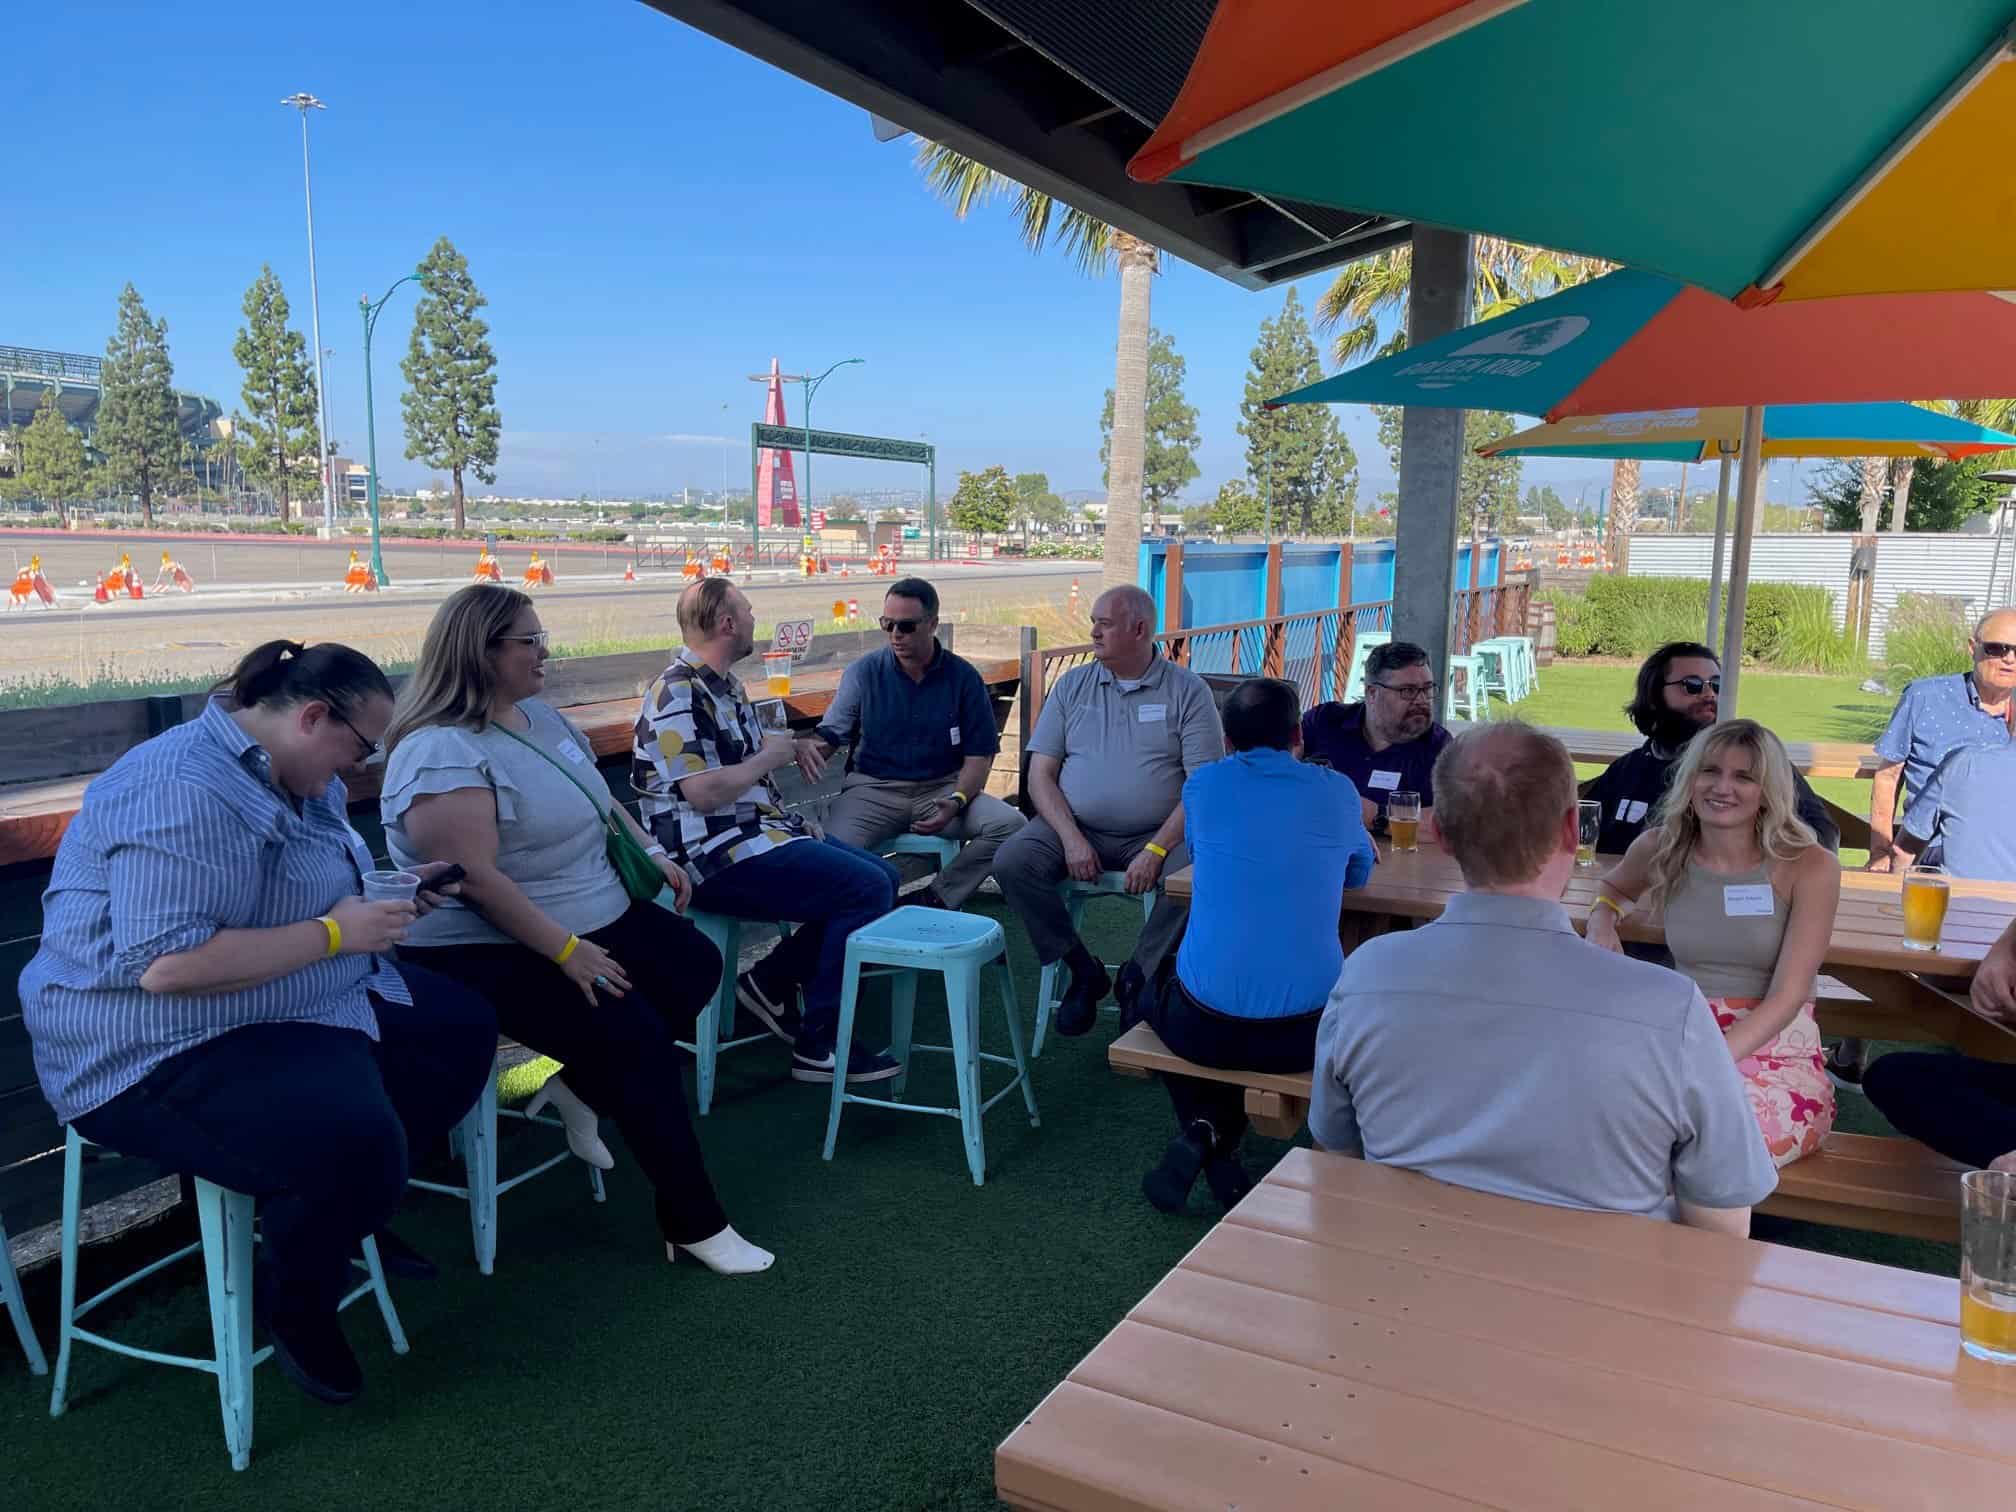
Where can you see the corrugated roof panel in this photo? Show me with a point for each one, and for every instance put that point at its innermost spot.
(1135, 52)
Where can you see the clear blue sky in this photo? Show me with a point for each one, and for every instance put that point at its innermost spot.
(653, 215)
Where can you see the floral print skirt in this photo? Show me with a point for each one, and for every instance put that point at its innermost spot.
(1786, 1081)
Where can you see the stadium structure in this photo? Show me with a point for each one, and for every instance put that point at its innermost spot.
(26, 375)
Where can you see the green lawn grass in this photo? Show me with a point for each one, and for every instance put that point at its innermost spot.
(1592, 696)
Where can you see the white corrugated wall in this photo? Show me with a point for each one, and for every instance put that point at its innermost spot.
(1954, 565)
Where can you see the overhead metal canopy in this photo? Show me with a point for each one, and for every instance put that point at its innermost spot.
(1057, 94)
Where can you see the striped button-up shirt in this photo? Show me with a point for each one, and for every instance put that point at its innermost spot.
(186, 835)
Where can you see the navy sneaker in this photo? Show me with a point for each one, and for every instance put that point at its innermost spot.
(863, 1065)
(773, 1007)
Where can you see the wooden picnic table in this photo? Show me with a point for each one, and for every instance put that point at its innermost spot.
(1866, 952)
(1811, 758)
(1353, 1335)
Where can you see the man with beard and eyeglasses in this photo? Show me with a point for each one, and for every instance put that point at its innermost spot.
(1389, 742)
(1678, 696)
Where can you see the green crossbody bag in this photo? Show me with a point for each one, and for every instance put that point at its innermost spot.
(639, 872)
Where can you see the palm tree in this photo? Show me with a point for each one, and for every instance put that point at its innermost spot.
(1095, 246)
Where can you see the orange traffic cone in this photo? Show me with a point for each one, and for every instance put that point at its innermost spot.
(357, 577)
(853, 610)
(629, 573)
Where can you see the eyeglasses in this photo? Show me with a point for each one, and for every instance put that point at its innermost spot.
(1996, 651)
(1410, 692)
(371, 747)
(1694, 687)
(907, 627)
(537, 638)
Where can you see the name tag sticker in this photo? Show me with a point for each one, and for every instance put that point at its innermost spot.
(572, 752)
(1386, 782)
(955, 734)
(1751, 900)
(1631, 810)
(1153, 713)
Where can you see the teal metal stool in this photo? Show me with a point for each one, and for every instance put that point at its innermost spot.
(1112, 884)
(946, 850)
(1508, 669)
(1361, 650)
(959, 946)
(1473, 701)
(226, 1219)
(715, 1029)
(10, 1294)
(475, 1140)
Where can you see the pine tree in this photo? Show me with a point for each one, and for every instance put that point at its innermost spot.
(278, 444)
(451, 408)
(984, 501)
(1296, 455)
(53, 466)
(1171, 428)
(136, 431)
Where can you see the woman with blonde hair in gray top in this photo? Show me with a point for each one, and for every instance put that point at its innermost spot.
(1748, 896)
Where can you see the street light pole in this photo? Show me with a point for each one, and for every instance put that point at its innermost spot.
(811, 388)
(305, 102)
(370, 312)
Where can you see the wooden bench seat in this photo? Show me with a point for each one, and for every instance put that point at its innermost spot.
(1864, 1181)
(1277, 1102)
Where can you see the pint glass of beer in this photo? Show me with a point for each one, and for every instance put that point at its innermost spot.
(1925, 894)
(1588, 825)
(1403, 820)
(1988, 1265)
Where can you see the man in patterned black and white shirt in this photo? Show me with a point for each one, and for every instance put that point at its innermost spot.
(701, 762)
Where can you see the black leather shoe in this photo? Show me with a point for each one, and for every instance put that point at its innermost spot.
(1168, 1185)
(310, 1351)
(1228, 1180)
(1080, 1007)
(402, 1260)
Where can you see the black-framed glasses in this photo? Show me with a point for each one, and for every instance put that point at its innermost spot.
(1411, 692)
(539, 638)
(907, 626)
(371, 747)
(1694, 687)
(1997, 651)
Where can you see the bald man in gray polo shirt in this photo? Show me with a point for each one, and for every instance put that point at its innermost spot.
(1107, 763)
(1498, 1050)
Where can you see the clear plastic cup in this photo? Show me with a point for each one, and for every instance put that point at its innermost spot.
(390, 886)
(777, 671)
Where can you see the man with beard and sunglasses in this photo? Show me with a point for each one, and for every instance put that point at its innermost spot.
(1678, 696)
(921, 724)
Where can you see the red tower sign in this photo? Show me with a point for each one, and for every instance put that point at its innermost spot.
(776, 483)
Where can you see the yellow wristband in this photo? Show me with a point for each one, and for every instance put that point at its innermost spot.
(566, 950)
(335, 932)
(960, 798)
(1156, 849)
(1604, 900)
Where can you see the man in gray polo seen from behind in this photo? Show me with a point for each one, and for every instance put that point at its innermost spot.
(1107, 763)
(1496, 1049)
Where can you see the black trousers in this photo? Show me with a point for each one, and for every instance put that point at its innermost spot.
(313, 1121)
(1200, 1033)
(1962, 1107)
(619, 1055)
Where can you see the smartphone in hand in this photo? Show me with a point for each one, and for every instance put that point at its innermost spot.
(446, 879)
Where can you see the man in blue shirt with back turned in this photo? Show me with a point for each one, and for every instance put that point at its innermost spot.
(1273, 844)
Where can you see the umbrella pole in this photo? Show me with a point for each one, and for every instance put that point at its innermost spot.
(1715, 562)
(1750, 467)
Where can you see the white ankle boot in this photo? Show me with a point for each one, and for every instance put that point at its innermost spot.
(584, 1131)
(726, 1254)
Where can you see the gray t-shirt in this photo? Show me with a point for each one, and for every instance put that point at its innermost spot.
(1126, 751)
(1496, 1049)
(549, 836)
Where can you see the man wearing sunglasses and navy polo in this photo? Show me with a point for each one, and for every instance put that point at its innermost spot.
(1678, 696)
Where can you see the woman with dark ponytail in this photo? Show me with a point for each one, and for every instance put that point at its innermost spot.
(213, 993)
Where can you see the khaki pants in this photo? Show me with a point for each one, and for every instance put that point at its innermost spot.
(872, 811)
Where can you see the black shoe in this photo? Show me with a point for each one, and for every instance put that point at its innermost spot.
(863, 1065)
(398, 1258)
(1168, 1185)
(1128, 988)
(310, 1351)
(773, 1007)
(1846, 1072)
(930, 898)
(1228, 1179)
(1080, 1007)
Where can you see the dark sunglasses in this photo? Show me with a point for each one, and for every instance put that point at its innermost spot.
(1997, 651)
(371, 747)
(908, 627)
(1694, 687)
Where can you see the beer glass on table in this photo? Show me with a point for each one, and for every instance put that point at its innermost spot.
(1588, 825)
(777, 671)
(1403, 820)
(1925, 896)
(1988, 1265)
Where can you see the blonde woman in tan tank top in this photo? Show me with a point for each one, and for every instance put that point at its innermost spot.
(1747, 894)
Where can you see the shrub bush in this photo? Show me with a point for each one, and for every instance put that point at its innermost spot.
(1927, 636)
(1784, 624)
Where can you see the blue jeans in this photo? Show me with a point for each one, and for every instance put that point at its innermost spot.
(830, 888)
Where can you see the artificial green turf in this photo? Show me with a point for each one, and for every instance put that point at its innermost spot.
(912, 1319)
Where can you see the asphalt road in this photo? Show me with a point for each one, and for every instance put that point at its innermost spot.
(177, 635)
